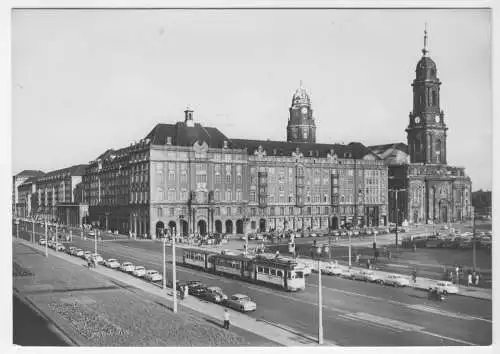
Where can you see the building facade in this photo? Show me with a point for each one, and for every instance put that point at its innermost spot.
(18, 206)
(422, 187)
(185, 178)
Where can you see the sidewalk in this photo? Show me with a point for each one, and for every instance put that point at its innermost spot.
(117, 298)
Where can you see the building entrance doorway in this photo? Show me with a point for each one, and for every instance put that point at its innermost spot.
(229, 227)
(159, 229)
(443, 213)
(172, 227)
(239, 226)
(335, 223)
(202, 227)
(262, 225)
(184, 228)
(218, 226)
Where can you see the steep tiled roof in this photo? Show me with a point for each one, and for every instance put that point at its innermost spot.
(380, 149)
(30, 173)
(284, 148)
(182, 135)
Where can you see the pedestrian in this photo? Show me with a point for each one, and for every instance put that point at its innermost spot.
(477, 279)
(414, 275)
(469, 280)
(226, 319)
(89, 263)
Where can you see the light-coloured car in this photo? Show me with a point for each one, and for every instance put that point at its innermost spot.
(79, 252)
(42, 241)
(59, 247)
(447, 286)
(241, 302)
(112, 263)
(395, 280)
(217, 291)
(71, 250)
(331, 269)
(139, 271)
(153, 275)
(97, 258)
(367, 275)
(348, 273)
(127, 267)
(87, 255)
(306, 269)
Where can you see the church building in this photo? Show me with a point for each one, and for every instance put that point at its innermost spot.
(423, 188)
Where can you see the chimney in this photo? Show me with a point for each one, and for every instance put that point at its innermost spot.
(188, 117)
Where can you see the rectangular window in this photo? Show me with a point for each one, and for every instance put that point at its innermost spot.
(228, 210)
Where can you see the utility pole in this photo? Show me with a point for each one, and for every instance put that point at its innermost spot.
(57, 239)
(474, 240)
(320, 307)
(46, 240)
(95, 240)
(164, 264)
(349, 234)
(174, 275)
(33, 233)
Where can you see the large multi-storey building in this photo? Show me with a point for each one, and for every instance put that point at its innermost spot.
(52, 196)
(18, 207)
(422, 187)
(187, 178)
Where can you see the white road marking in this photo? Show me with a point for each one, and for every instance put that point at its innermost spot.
(447, 338)
(353, 318)
(439, 311)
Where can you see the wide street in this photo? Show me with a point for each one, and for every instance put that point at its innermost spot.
(354, 313)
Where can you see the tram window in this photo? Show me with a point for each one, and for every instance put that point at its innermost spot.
(266, 270)
(237, 266)
(280, 273)
(299, 275)
(260, 270)
(273, 271)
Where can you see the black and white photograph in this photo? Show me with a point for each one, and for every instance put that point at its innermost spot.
(250, 177)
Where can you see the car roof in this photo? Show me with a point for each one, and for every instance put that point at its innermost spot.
(139, 267)
(239, 296)
(126, 263)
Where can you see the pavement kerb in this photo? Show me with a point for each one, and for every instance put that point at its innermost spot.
(263, 329)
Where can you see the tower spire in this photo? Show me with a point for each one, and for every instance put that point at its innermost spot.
(425, 51)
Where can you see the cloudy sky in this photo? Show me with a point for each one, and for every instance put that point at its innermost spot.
(88, 80)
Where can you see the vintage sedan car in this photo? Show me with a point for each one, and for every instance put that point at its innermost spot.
(396, 280)
(153, 275)
(78, 252)
(367, 275)
(331, 269)
(139, 271)
(216, 294)
(59, 247)
(198, 291)
(306, 269)
(241, 302)
(50, 243)
(98, 258)
(86, 255)
(71, 250)
(348, 273)
(127, 267)
(444, 286)
(42, 241)
(112, 263)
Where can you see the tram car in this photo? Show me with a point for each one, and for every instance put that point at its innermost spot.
(281, 273)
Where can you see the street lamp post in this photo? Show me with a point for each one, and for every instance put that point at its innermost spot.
(95, 240)
(57, 238)
(46, 240)
(320, 307)
(474, 238)
(349, 234)
(33, 233)
(164, 264)
(17, 229)
(174, 275)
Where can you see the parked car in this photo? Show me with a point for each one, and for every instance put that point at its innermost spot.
(71, 250)
(305, 268)
(42, 241)
(216, 294)
(139, 271)
(153, 275)
(396, 280)
(112, 263)
(331, 269)
(127, 267)
(78, 252)
(86, 255)
(241, 303)
(367, 275)
(348, 273)
(59, 247)
(199, 291)
(97, 258)
(50, 243)
(442, 286)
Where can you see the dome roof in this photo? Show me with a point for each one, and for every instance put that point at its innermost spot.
(426, 68)
(301, 97)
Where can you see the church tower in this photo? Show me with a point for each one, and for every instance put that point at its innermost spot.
(426, 130)
(301, 127)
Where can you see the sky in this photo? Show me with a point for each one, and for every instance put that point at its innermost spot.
(84, 81)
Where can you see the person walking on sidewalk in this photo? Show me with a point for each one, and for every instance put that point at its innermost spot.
(89, 263)
(226, 319)
(414, 275)
(469, 280)
(477, 279)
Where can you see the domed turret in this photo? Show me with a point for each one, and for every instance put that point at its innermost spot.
(301, 97)
(426, 67)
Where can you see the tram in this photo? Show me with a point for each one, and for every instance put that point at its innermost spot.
(277, 272)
